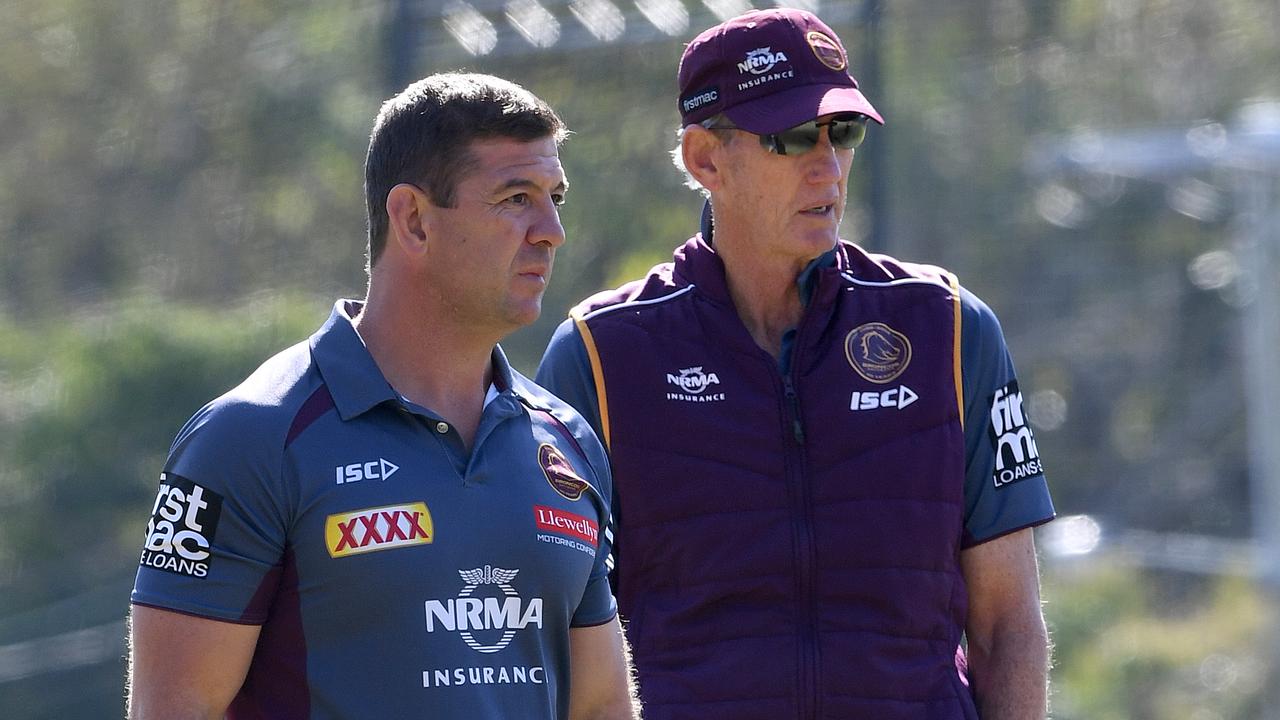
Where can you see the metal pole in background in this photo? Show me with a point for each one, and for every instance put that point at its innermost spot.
(876, 151)
(1258, 250)
(403, 34)
(1251, 158)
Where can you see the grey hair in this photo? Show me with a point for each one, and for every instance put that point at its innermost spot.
(719, 122)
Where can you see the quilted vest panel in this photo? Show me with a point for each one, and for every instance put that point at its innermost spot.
(789, 545)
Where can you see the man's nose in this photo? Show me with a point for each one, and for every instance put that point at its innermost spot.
(824, 159)
(547, 228)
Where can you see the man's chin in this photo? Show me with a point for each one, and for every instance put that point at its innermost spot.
(524, 315)
(817, 244)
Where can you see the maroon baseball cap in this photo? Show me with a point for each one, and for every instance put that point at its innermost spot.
(768, 70)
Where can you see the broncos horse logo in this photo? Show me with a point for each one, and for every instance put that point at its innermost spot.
(877, 352)
(560, 472)
(878, 348)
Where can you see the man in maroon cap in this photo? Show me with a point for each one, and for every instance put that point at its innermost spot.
(825, 481)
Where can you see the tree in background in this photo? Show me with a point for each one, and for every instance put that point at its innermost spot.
(169, 166)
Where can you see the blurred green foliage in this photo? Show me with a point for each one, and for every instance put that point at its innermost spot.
(181, 196)
(1134, 645)
(92, 402)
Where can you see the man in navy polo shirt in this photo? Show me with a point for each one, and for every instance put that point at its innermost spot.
(387, 520)
(824, 476)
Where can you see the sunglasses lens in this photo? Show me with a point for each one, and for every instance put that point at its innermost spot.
(848, 133)
(794, 141)
(844, 133)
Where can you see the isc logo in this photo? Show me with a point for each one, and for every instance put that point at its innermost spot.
(379, 469)
(898, 397)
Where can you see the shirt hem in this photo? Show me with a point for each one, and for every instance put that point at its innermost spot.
(594, 624)
(1035, 523)
(195, 614)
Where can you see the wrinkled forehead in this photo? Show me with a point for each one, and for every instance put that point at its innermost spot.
(501, 160)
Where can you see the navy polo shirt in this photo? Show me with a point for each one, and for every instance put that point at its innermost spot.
(394, 573)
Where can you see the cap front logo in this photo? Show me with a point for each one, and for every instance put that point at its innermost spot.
(560, 473)
(877, 352)
(761, 61)
(826, 50)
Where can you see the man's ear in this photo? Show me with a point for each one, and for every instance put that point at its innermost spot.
(698, 149)
(407, 209)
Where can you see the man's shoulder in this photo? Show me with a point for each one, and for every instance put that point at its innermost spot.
(563, 414)
(864, 267)
(878, 269)
(540, 398)
(262, 408)
(277, 388)
(660, 284)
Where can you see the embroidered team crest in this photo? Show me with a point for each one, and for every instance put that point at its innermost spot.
(877, 352)
(826, 50)
(560, 474)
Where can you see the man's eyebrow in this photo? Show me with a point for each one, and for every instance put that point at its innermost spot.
(527, 184)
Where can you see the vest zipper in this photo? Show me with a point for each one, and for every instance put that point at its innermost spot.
(809, 657)
(793, 400)
(802, 528)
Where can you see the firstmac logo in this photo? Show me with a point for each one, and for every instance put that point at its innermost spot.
(1017, 456)
(379, 469)
(183, 521)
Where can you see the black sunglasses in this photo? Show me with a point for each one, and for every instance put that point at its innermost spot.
(845, 131)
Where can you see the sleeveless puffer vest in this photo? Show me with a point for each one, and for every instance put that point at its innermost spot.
(788, 542)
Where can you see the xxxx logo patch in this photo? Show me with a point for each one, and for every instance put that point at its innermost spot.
(382, 528)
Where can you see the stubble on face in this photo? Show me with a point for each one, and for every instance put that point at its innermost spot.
(786, 207)
(493, 251)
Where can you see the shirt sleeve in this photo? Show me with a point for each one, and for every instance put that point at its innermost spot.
(598, 605)
(565, 370)
(214, 544)
(1005, 488)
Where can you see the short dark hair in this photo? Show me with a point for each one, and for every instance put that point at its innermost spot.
(423, 136)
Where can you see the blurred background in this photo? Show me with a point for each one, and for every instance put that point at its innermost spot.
(181, 196)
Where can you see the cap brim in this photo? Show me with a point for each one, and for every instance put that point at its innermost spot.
(786, 109)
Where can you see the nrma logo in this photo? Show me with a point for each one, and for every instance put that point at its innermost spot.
(692, 380)
(761, 61)
(487, 612)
